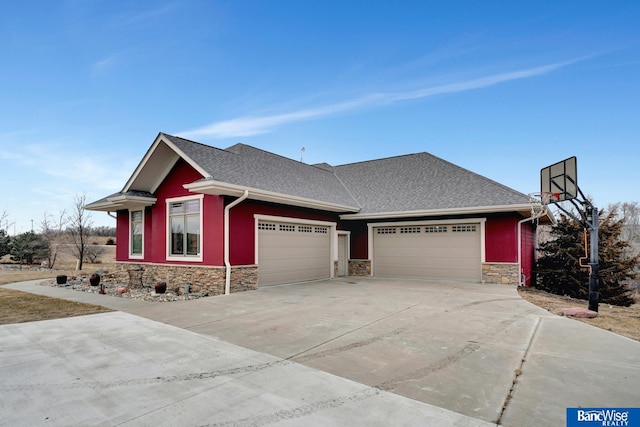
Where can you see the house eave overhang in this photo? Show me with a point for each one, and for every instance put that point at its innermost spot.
(120, 202)
(218, 188)
(157, 163)
(524, 209)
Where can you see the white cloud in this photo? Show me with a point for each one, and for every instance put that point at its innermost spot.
(255, 125)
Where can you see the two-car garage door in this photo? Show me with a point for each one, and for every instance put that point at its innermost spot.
(293, 252)
(444, 251)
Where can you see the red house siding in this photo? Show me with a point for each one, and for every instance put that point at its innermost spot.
(122, 236)
(528, 238)
(155, 222)
(242, 225)
(501, 239)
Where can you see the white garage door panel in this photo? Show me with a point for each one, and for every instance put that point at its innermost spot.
(428, 255)
(292, 253)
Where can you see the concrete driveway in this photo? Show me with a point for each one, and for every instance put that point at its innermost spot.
(476, 350)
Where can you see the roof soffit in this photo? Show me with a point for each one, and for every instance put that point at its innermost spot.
(156, 165)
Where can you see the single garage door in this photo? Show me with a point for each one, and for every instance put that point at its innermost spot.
(450, 252)
(290, 253)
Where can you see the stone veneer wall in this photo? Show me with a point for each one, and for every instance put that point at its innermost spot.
(504, 273)
(359, 267)
(209, 280)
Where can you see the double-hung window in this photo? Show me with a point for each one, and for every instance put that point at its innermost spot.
(136, 234)
(185, 236)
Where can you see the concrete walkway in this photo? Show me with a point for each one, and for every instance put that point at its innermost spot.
(477, 353)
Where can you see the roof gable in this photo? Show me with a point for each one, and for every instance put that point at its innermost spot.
(158, 162)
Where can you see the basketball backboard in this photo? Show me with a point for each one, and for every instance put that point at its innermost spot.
(560, 179)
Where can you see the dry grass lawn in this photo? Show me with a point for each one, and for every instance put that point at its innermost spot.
(623, 321)
(19, 307)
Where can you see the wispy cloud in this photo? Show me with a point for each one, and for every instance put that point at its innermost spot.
(255, 125)
(135, 18)
(105, 64)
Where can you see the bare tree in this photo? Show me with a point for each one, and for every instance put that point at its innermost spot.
(3, 219)
(78, 230)
(630, 213)
(51, 232)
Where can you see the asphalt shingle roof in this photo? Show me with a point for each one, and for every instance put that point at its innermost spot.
(251, 167)
(413, 182)
(421, 182)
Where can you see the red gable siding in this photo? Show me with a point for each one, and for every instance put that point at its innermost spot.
(155, 235)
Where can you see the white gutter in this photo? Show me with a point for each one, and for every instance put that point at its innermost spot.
(218, 188)
(227, 263)
(433, 212)
(542, 213)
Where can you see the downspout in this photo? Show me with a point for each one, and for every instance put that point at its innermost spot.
(227, 283)
(519, 233)
(112, 215)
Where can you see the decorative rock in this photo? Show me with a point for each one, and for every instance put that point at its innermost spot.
(579, 312)
(122, 290)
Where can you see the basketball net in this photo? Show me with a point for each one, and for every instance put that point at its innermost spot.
(540, 201)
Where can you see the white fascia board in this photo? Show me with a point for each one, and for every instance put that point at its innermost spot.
(188, 159)
(137, 200)
(120, 202)
(219, 188)
(432, 212)
(160, 140)
(103, 206)
(142, 163)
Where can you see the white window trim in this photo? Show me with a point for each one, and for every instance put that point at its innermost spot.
(333, 235)
(481, 221)
(183, 258)
(131, 254)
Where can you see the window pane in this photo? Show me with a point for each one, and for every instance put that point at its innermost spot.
(136, 232)
(193, 235)
(192, 206)
(136, 244)
(136, 238)
(177, 236)
(176, 208)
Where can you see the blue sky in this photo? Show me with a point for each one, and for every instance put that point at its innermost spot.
(501, 88)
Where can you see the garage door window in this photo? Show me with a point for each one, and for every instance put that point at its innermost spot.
(386, 230)
(409, 230)
(435, 229)
(463, 228)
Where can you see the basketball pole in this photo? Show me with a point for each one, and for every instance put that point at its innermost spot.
(589, 220)
(594, 296)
